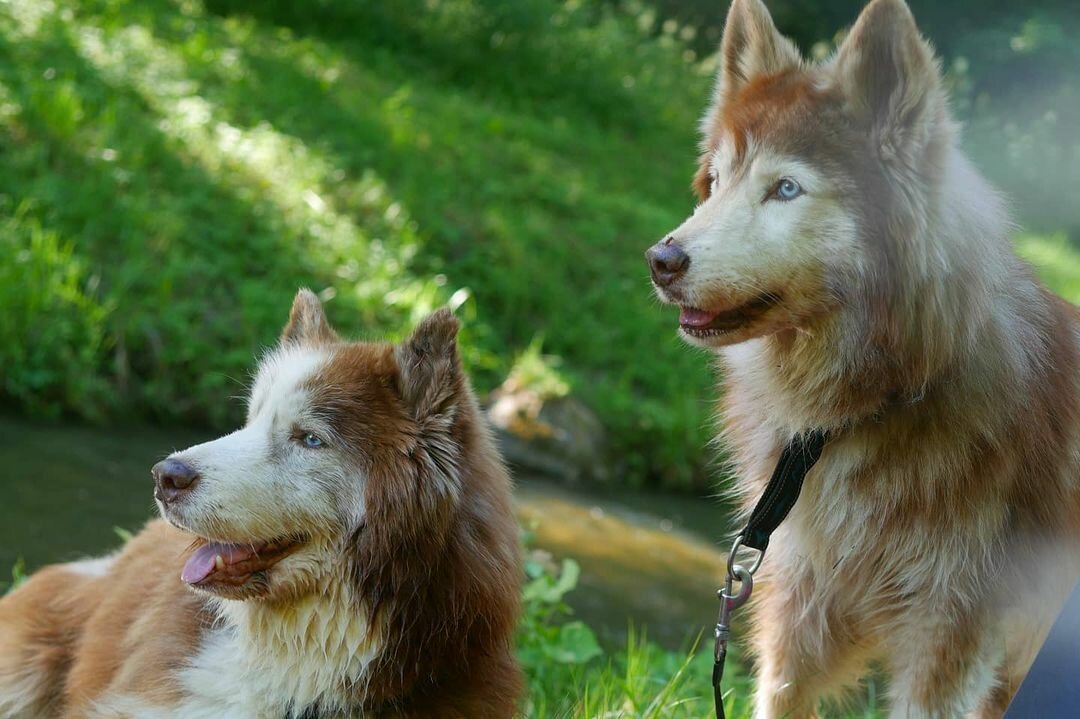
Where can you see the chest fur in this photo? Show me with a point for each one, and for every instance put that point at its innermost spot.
(269, 662)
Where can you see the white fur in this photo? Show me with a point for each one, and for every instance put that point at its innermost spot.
(20, 695)
(265, 661)
(936, 332)
(262, 661)
(738, 241)
(98, 567)
(260, 483)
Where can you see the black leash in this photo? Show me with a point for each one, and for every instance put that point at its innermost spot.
(798, 457)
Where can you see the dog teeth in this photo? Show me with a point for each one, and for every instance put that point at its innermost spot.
(219, 563)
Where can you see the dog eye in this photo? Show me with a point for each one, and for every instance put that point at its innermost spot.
(785, 190)
(311, 441)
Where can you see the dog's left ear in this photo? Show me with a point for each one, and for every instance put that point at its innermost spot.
(889, 75)
(428, 363)
(307, 321)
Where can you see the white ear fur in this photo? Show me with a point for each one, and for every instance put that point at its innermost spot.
(890, 78)
(307, 321)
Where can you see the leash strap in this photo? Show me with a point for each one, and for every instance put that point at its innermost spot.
(783, 489)
(780, 495)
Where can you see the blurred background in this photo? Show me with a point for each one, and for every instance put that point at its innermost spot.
(172, 170)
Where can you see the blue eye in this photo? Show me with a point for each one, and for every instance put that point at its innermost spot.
(311, 441)
(785, 190)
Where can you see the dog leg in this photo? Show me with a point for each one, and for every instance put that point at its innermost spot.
(806, 647)
(35, 645)
(944, 667)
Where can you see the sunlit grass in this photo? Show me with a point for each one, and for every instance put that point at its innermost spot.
(202, 164)
(202, 159)
(1056, 261)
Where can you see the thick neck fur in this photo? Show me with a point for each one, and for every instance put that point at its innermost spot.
(312, 652)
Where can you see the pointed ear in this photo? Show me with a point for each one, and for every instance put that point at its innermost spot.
(307, 321)
(428, 363)
(888, 74)
(752, 46)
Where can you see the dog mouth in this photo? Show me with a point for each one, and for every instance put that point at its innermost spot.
(704, 323)
(227, 568)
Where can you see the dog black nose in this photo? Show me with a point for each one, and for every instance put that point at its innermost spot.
(172, 478)
(666, 262)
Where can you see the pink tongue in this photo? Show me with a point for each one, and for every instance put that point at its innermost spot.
(692, 317)
(201, 565)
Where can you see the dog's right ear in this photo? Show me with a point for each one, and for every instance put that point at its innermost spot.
(752, 46)
(307, 321)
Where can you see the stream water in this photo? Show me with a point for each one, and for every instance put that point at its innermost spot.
(648, 560)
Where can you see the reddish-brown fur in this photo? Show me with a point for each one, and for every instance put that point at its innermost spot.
(435, 563)
(948, 378)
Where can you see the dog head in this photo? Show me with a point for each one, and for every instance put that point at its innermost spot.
(330, 425)
(805, 170)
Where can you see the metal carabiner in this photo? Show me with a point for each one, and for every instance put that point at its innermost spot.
(729, 602)
(733, 555)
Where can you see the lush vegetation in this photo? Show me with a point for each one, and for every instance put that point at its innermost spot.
(571, 676)
(173, 169)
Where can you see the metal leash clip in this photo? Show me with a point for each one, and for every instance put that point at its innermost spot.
(729, 602)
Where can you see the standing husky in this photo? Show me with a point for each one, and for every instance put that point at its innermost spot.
(350, 551)
(853, 273)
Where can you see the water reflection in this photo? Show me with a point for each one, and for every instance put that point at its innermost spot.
(645, 559)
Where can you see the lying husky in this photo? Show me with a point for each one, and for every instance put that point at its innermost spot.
(349, 552)
(854, 274)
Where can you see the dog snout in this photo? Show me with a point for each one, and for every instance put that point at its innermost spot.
(172, 479)
(667, 261)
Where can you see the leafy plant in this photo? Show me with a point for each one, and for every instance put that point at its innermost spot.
(18, 576)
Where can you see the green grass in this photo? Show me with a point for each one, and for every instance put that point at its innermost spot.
(1057, 262)
(171, 173)
(173, 170)
(571, 676)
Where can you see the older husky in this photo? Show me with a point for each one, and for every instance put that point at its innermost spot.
(349, 552)
(852, 271)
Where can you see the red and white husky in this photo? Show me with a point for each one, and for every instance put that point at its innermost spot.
(853, 273)
(350, 551)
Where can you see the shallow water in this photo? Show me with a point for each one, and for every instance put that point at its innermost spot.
(647, 560)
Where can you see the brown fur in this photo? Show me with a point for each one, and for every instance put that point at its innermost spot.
(949, 380)
(128, 630)
(437, 576)
(435, 562)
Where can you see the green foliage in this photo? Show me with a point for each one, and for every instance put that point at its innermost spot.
(52, 328)
(571, 676)
(198, 165)
(18, 576)
(174, 170)
(1057, 262)
(553, 649)
(538, 372)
